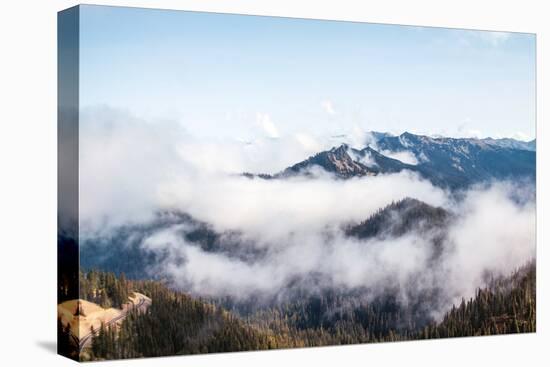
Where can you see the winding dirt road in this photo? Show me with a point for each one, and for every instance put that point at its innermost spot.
(143, 302)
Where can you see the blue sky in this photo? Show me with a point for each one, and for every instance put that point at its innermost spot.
(240, 77)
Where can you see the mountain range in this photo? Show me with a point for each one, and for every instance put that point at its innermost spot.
(453, 163)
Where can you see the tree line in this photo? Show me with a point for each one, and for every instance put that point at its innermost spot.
(104, 288)
(177, 323)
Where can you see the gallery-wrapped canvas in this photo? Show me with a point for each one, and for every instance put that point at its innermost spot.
(242, 183)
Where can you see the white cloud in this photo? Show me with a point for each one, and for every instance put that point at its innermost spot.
(404, 156)
(309, 142)
(328, 107)
(494, 38)
(493, 234)
(295, 222)
(519, 135)
(290, 204)
(264, 120)
(122, 160)
(366, 159)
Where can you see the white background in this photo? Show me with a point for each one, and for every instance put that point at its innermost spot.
(28, 181)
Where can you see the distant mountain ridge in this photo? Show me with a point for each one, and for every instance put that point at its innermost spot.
(336, 160)
(459, 163)
(512, 143)
(501, 142)
(453, 163)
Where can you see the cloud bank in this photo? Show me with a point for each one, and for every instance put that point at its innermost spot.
(131, 169)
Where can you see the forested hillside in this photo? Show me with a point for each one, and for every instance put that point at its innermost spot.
(401, 217)
(105, 289)
(507, 306)
(177, 323)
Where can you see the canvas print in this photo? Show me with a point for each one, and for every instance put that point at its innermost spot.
(243, 183)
